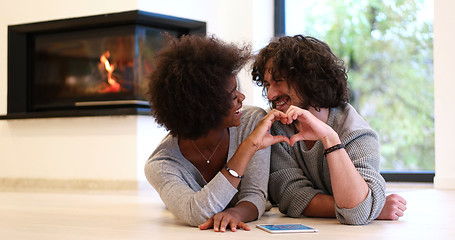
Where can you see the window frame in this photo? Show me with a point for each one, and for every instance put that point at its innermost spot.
(389, 175)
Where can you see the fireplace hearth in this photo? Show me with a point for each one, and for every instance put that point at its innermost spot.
(88, 66)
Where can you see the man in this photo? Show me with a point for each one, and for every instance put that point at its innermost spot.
(331, 168)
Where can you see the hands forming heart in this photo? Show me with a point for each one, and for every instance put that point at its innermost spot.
(309, 126)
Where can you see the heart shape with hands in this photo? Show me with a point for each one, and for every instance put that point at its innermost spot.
(308, 125)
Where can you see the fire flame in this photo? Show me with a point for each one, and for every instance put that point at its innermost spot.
(114, 86)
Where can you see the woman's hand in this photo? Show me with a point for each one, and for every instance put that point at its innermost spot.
(261, 137)
(222, 220)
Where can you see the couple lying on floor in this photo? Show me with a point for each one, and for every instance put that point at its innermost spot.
(312, 154)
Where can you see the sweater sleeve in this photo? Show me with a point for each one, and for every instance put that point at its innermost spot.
(363, 148)
(193, 206)
(253, 187)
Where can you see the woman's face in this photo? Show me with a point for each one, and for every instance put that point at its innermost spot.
(233, 118)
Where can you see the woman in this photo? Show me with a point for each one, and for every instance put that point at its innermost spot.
(212, 169)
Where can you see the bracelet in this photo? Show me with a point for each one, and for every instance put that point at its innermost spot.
(333, 148)
(232, 172)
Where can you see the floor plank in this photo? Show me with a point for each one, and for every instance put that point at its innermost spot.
(142, 215)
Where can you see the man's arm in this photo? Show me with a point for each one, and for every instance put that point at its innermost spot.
(358, 189)
(321, 205)
(348, 187)
(324, 206)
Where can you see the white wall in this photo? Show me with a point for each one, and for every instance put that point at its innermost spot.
(52, 148)
(102, 150)
(444, 86)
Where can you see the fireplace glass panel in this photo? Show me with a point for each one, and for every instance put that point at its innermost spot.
(107, 66)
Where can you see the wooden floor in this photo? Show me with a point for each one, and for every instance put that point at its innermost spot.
(141, 215)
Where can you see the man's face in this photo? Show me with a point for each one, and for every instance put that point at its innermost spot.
(279, 93)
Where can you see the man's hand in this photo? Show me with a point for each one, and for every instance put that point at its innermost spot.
(308, 125)
(394, 208)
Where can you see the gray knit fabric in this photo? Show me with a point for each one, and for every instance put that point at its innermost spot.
(185, 192)
(298, 174)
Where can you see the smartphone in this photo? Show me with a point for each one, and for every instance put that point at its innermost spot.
(286, 228)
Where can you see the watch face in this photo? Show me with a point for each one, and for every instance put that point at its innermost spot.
(233, 173)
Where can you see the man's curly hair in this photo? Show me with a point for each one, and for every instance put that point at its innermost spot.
(308, 65)
(187, 88)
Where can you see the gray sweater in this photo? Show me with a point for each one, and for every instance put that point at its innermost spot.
(298, 173)
(185, 192)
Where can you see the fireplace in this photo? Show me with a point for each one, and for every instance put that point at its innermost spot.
(86, 66)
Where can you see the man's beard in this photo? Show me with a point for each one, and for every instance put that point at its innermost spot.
(301, 105)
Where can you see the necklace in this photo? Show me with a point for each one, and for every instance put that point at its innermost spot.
(214, 151)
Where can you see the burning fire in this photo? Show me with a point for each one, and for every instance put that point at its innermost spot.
(114, 86)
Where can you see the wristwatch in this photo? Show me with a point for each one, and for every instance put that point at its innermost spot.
(232, 172)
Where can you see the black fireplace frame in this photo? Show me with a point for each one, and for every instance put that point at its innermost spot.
(20, 44)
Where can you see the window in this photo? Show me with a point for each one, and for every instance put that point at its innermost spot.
(388, 48)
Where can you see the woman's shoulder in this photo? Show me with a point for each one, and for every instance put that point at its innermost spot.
(252, 111)
(166, 149)
(251, 115)
(167, 157)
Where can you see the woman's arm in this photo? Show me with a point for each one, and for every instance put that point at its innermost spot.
(253, 190)
(179, 187)
(259, 139)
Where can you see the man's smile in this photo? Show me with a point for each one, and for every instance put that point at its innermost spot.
(280, 102)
